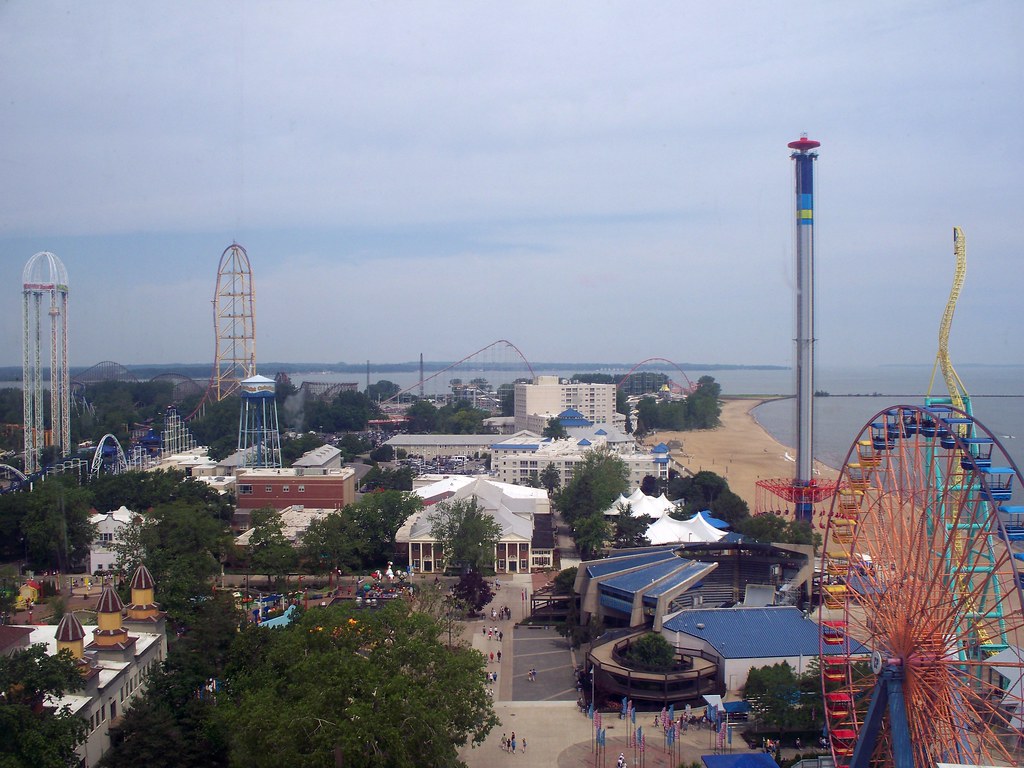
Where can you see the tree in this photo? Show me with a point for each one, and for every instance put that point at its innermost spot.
(269, 551)
(55, 522)
(555, 429)
(382, 390)
(383, 479)
(359, 688)
(631, 531)
(770, 527)
(651, 653)
(467, 535)
(565, 581)
(421, 418)
(595, 484)
(37, 736)
(591, 534)
(649, 485)
(784, 701)
(171, 724)
(376, 518)
(182, 547)
(708, 491)
(330, 543)
(551, 478)
(473, 591)
(383, 452)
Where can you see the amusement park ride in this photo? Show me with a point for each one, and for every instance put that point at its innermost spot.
(921, 597)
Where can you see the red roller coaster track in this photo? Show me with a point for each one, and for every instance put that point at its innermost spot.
(690, 386)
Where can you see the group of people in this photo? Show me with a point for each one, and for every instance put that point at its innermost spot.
(493, 633)
(532, 674)
(509, 743)
(504, 613)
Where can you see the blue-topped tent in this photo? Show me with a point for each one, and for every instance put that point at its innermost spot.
(713, 521)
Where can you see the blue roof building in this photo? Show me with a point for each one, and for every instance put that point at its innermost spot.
(745, 638)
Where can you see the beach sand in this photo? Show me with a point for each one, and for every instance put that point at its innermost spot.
(740, 450)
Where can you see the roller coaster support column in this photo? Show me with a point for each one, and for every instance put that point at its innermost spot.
(804, 157)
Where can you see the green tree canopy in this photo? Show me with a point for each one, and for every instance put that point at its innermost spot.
(473, 591)
(376, 518)
(784, 701)
(360, 688)
(551, 478)
(651, 653)
(181, 546)
(555, 429)
(596, 483)
(422, 417)
(35, 736)
(631, 531)
(55, 522)
(171, 724)
(269, 551)
(770, 527)
(330, 542)
(708, 491)
(466, 533)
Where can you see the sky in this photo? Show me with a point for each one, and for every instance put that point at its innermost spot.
(589, 180)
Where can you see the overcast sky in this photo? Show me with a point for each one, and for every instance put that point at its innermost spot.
(590, 180)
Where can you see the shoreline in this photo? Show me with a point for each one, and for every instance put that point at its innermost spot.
(741, 450)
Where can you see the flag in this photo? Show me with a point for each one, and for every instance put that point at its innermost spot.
(643, 742)
(721, 734)
(604, 735)
(640, 738)
(625, 708)
(597, 719)
(672, 712)
(590, 711)
(632, 715)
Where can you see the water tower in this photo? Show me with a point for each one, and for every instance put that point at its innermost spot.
(259, 440)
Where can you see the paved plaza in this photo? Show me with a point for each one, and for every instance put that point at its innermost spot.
(544, 711)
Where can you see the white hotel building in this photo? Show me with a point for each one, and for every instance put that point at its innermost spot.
(536, 403)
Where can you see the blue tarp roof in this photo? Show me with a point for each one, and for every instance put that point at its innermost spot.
(749, 760)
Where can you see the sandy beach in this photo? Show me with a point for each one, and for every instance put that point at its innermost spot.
(740, 450)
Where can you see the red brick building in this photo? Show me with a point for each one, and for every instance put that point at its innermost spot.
(261, 487)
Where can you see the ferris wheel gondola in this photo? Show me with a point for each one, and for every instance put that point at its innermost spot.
(921, 599)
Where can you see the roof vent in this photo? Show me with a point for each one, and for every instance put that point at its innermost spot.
(700, 625)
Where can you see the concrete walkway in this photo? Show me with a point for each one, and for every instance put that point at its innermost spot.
(544, 711)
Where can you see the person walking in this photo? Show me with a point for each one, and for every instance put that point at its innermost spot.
(499, 657)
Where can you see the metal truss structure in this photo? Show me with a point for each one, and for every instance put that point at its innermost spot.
(234, 322)
(45, 289)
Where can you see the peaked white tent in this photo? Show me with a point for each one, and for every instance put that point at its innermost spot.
(696, 530)
(640, 504)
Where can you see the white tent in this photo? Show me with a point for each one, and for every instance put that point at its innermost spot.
(640, 504)
(696, 530)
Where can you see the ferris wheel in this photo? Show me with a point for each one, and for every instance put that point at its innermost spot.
(921, 600)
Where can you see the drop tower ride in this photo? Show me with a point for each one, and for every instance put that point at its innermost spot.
(804, 157)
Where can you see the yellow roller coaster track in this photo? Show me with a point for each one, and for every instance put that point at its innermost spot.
(958, 396)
